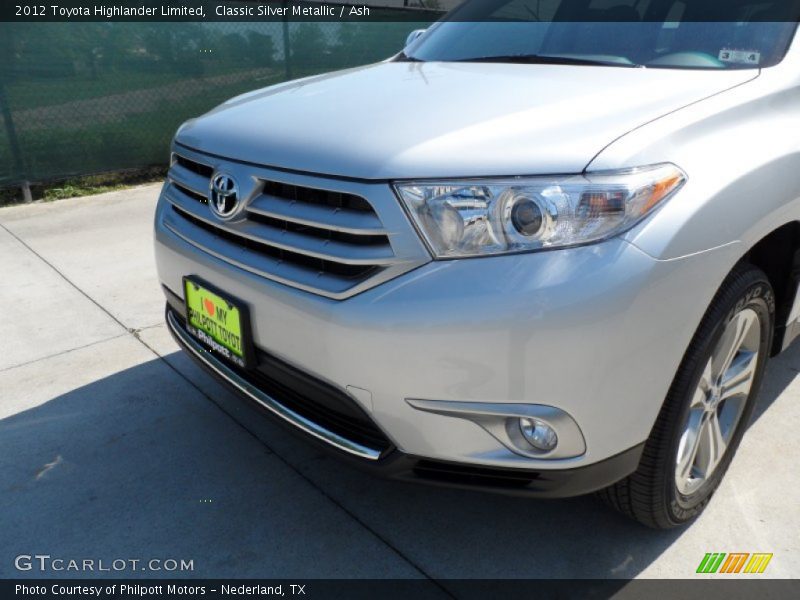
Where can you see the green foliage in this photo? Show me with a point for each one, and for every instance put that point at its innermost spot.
(74, 190)
(309, 45)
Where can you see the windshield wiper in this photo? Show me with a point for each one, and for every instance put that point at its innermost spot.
(547, 59)
(403, 57)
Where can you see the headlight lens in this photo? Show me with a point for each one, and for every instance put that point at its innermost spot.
(498, 216)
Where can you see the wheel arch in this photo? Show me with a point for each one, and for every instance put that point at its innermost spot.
(778, 255)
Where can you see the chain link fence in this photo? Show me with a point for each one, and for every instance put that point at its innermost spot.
(83, 98)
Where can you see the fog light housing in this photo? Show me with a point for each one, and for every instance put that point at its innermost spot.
(538, 434)
(508, 422)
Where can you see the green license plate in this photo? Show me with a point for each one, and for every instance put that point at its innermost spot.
(218, 321)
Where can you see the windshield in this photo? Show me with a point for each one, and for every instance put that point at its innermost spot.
(700, 34)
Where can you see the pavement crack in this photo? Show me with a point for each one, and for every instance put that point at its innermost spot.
(64, 277)
(137, 331)
(36, 360)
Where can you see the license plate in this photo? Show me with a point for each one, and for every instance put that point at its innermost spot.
(218, 321)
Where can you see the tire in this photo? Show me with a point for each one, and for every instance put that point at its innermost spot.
(697, 419)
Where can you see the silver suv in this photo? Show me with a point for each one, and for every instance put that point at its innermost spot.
(534, 253)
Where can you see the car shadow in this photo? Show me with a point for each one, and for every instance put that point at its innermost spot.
(140, 463)
(781, 371)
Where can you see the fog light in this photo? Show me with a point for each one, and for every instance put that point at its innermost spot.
(538, 434)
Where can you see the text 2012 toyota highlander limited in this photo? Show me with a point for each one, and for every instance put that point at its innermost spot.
(543, 257)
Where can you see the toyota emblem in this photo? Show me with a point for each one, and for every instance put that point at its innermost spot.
(224, 198)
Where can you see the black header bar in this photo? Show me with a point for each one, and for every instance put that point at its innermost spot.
(12, 11)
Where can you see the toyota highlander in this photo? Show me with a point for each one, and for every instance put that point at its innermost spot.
(547, 249)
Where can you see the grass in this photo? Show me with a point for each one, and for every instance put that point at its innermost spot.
(87, 185)
(74, 189)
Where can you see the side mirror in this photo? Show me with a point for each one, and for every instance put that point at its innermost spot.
(413, 36)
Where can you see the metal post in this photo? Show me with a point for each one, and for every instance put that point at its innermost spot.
(287, 49)
(26, 191)
(13, 141)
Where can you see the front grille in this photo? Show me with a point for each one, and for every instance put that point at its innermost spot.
(307, 396)
(194, 166)
(340, 269)
(323, 241)
(318, 197)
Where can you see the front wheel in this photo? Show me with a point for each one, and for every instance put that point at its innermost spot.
(707, 408)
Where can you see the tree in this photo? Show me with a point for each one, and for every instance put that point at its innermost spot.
(309, 47)
(261, 49)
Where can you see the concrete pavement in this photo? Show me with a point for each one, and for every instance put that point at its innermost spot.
(114, 445)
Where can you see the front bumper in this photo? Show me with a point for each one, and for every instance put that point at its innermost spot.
(596, 331)
(376, 454)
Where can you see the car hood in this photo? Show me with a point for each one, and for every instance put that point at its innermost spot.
(398, 120)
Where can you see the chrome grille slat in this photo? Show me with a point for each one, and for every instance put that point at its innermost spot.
(183, 177)
(318, 234)
(335, 219)
(321, 248)
(289, 274)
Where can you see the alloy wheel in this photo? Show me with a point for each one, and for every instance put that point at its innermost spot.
(718, 402)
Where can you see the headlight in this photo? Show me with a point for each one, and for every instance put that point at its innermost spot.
(497, 216)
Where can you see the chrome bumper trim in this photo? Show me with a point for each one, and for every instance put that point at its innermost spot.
(267, 401)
